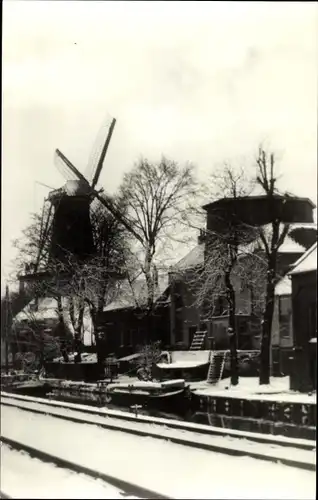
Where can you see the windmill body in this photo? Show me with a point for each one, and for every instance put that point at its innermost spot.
(72, 230)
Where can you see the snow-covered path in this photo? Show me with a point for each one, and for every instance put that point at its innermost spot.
(168, 468)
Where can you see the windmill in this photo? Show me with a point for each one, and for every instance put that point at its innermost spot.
(66, 212)
(66, 228)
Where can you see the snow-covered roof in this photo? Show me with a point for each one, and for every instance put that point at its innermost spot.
(43, 309)
(194, 258)
(135, 294)
(307, 262)
(283, 287)
(291, 246)
(303, 225)
(40, 309)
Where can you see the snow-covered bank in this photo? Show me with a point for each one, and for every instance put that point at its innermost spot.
(170, 469)
(249, 388)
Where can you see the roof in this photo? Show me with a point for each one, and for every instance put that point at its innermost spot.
(256, 197)
(194, 258)
(283, 287)
(307, 262)
(135, 294)
(46, 309)
(289, 245)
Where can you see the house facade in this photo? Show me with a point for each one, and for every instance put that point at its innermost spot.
(124, 324)
(282, 328)
(187, 316)
(304, 307)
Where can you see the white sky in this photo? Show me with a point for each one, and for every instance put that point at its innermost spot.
(196, 81)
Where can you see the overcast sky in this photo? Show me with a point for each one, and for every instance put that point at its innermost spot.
(204, 82)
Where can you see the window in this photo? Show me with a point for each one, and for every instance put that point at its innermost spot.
(141, 335)
(34, 306)
(221, 306)
(312, 320)
(243, 326)
(126, 338)
(132, 337)
(284, 306)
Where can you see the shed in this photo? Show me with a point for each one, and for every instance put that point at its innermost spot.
(304, 306)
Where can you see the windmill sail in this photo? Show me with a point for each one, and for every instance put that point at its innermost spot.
(103, 154)
(70, 166)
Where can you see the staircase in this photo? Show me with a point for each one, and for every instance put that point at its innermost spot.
(198, 340)
(216, 368)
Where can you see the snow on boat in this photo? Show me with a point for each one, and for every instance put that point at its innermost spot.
(171, 393)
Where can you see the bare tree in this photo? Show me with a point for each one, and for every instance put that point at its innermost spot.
(80, 289)
(32, 247)
(272, 237)
(158, 198)
(149, 356)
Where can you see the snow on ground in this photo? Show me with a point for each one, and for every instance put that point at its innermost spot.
(170, 469)
(249, 388)
(180, 364)
(25, 477)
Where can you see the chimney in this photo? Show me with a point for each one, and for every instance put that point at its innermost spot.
(201, 237)
(21, 286)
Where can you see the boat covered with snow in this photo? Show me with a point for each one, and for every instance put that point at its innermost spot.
(167, 394)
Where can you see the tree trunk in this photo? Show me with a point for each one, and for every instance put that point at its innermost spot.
(78, 343)
(61, 329)
(264, 375)
(7, 354)
(100, 351)
(232, 329)
(78, 347)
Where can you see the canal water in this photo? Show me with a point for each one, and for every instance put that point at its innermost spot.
(191, 415)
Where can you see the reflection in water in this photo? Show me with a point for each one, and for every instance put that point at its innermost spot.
(255, 425)
(217, 420)
(100, 401)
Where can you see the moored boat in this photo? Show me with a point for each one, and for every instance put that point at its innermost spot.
(169, 394)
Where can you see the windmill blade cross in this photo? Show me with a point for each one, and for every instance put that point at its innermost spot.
(70, 165)
(103, 153)
(116, 213)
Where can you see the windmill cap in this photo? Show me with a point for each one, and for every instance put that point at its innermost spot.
(76, 187)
